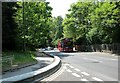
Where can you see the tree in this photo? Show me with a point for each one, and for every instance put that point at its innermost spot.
(79, 13)
(35, 29)
(94, 22)
(106, 18)
(69, 30)
(57, 29)
(8, 25)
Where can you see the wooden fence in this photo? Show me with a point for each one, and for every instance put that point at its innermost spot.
(111, 48)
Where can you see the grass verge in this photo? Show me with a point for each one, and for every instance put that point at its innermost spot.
(11, 60)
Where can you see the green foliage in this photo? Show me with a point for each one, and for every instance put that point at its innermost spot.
(56, 29)
(76, 23)
(55, 42)
(106, 17)
(33, 23)
(93, 23)
(86, 23)
(59, 27)
(69, 30)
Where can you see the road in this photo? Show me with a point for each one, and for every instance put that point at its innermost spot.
(85, 66)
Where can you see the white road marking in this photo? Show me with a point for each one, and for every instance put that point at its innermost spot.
(76, 69)
(68, 70)
(71, 66)
(85, 73)
(97, 79)
(97, 60)
(64, 67)
(84, 80)
(113, 59)
(76, 75)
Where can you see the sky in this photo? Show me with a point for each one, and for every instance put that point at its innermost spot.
(60, 7)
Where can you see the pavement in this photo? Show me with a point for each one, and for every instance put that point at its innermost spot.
(46, 66)
(42, 62)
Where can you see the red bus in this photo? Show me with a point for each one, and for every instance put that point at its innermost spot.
(65, 44)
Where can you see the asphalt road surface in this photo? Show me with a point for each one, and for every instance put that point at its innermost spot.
(85, 66)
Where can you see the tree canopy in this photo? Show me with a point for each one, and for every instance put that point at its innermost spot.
(31, 25)
(94, 23)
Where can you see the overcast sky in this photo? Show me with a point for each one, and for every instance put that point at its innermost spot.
(60, 7)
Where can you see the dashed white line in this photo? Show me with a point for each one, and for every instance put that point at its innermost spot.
(71, 66)
(68, 70)
(76, 75)
(98, 61)
(97, 79)
(84, 80)
(85, 73)
(76, 69)
(64, 67)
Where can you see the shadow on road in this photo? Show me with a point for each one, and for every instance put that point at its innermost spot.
(59, 54)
